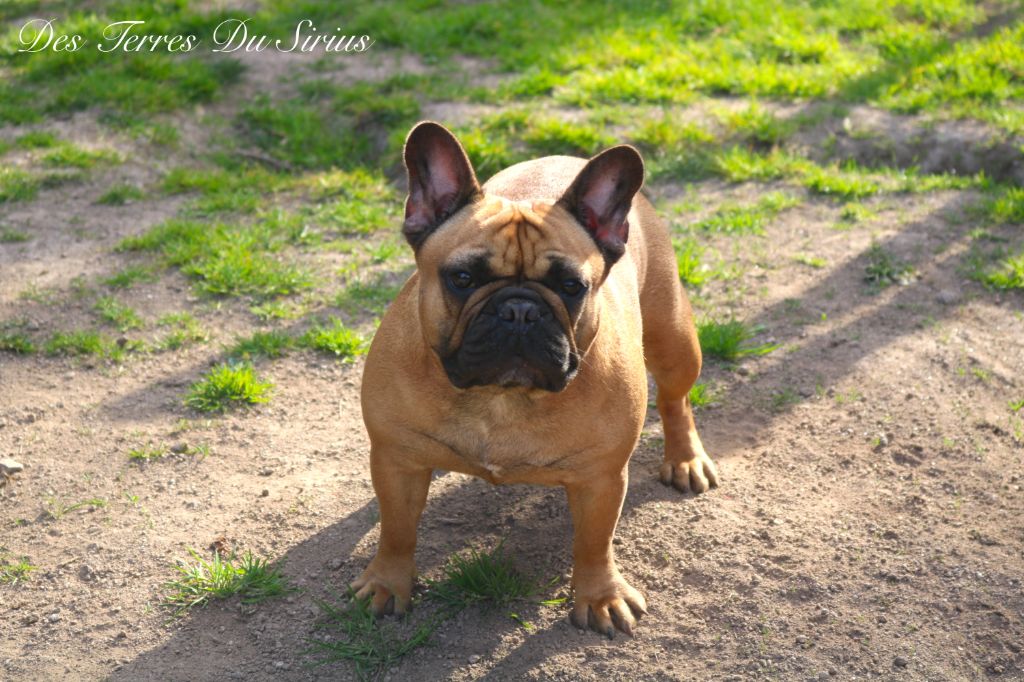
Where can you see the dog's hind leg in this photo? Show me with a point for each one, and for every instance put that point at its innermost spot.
(672, 353)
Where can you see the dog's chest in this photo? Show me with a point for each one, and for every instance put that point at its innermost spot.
(499, 436)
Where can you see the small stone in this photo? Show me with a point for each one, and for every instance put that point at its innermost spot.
(474, 659)
(9, 466)
(335, 564)
(179, 448)
(900, 662)
(53, 618)
(265, 493)
(947, 297)
(742, 371)
(266, 471)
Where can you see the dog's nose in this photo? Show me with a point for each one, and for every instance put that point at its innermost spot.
(518, 313)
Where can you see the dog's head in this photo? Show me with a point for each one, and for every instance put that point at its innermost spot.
(508, 289)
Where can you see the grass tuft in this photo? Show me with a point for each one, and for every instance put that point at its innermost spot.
(118, 314)
(119, 195)
(253, 579)
(17, 185)
(884, 269)
(126, 278)
(16, 343)
(728, 340)
(480, 578)
(14, 572)
(702, 395)
(225, 386)
(184, 330)
(147, 453)
(335, 338)
(1007, 273)
(272, 344)
(359, 637)
(88, 342)
(751, 219)
(56, 509)
(11, 236)
(688, 261)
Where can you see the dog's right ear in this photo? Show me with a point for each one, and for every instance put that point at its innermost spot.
(441, 180)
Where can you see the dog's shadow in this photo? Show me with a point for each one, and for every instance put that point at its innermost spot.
(228, 640)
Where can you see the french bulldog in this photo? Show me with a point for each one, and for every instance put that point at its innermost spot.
(518, 352)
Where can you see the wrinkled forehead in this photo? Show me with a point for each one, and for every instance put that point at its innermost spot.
(521, 238)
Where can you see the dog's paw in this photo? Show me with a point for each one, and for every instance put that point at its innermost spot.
(607, 605)
(388, 585)
(696, 475)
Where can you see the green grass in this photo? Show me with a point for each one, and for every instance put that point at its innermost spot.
(1006, 207)
(484, 580)
(756, 125)
(336, 339)
(702, 394)
(855, 212)
(1007, 273)
(783, 398)
(184, 329)
(56, 508)
(302, 135)
(351, 632)
(227, 260)
(37, 139)
(12, 236)
(67, 155)
(749, 219)
(729, 340)
(120, 194)
(17, 185)
(884, 269)
(16, 343)
(810, 261)
(131, 275)
(147, 453)
(487, 579)
(14, 572)
(227, 386)
(845, 185)
(369, 296)
(201, 581)
(1017, 405)
(117, 314)
(689, 262)
(272, 344)
(88, 342)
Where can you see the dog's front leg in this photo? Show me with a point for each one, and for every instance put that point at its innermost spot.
(401, 490)
(603, 598)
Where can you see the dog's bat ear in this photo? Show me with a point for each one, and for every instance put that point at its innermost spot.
(441, 180)
(601, 195)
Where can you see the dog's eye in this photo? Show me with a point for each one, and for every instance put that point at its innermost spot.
(572, 287)
(461, 279)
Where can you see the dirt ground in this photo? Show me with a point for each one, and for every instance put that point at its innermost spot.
(869, 522)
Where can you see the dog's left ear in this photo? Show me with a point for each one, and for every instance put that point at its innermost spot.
(441, 180)
(601, 195)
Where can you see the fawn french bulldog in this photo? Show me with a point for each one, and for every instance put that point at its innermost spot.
(518, 352)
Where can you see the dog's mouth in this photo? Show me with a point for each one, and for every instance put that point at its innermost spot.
(514, 341)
